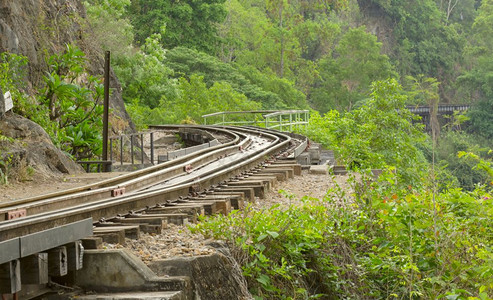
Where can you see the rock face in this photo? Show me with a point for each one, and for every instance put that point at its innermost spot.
(34, 27)
(30, 147)
(214, 277)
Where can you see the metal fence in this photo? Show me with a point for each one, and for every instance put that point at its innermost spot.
(283, 120)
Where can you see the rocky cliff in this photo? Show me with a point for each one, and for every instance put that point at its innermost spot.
(30, 150)
(35, 28)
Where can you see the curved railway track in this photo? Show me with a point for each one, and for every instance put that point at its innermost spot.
(157, 186)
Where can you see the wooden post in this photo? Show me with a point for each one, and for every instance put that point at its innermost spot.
(75, 254)
(35, 269)
(10, 277)
(57, 262)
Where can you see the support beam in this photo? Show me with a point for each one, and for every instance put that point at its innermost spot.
(57, 262)
(35, 269)
(75, 254)
(10, 277)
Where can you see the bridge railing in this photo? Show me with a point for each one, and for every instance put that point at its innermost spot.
(284, 120)
(442, 108)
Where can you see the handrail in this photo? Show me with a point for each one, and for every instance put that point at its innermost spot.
(238, 112)
(296, 118)
(285, 112)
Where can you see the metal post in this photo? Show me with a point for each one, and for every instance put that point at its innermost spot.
(224, 115)
(142, 148)
(111, 149)
(132, 148)
(280, 122)
(290, 122)
(121, 150)
(106, 106)
(152, 147)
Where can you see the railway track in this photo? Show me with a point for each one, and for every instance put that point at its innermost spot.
(49, 221)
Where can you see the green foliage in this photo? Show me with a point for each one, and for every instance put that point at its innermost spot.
(388, 242)
(70, 99)
(478, 79)
(111, 30)
(194, 100)
(144, 75)
(379, 133)
(187, 23)
(286, 251)
(13, 71)
(267, 89)
(69, 110)
(346, 76)
(5, 164)
(451, 143)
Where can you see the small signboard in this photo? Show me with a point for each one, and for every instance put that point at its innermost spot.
(9, 104)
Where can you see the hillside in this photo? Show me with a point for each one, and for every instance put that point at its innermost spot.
(32, 34)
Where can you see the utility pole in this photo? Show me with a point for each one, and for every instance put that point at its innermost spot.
(106, 103)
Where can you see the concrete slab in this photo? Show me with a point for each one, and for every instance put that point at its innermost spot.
(339, 170)
(213, 277)
(319, 169)
(295, 167)
(269, 181)
(118, 271)
(248, 193)
(236, 198)
(173, 218)
(259, 189)
(131, 231)
(134, 295)
(279, 176)
(288, 172)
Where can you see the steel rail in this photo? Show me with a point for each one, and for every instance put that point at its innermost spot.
(113, 206)
(131, 181)
(120, 179)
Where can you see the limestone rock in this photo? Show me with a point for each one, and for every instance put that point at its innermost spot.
(31, 27)
(31, 147)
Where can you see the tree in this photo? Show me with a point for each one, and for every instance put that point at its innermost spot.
(478, 79)
(111, 29)
(187, 23)
(144, 76)
(263, 87)
(380, 133)
(425, 44)
(346, 76)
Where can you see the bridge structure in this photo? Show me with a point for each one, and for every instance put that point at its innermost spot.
(444, 111)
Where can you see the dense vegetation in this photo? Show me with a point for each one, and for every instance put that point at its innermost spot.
(410, 233)
(68, 107)
(422, 230)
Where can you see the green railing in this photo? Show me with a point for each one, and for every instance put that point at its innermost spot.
(284, 120)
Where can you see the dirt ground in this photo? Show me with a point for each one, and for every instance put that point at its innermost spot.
(42, 185)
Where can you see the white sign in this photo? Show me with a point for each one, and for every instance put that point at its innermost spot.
(8, 104)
